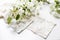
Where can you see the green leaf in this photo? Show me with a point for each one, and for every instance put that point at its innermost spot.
(57, 2)
(48, 2)
(28, 10)
(9, 19)
(24, 8)
(58, 11)
(17, 17)
(57, 6)
(15, 9)
(23, 15)
(44, 0)
(38, 0)
(29, 0)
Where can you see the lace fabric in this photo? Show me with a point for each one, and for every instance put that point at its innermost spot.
(41, 27)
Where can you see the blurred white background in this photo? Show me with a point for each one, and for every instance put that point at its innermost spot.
(6, 34)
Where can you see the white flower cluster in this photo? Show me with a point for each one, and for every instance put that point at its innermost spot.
(24, 9)
(55, 9)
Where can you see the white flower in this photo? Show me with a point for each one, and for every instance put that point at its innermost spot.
(21, 11)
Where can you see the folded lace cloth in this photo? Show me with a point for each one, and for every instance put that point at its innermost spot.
(41, 27)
